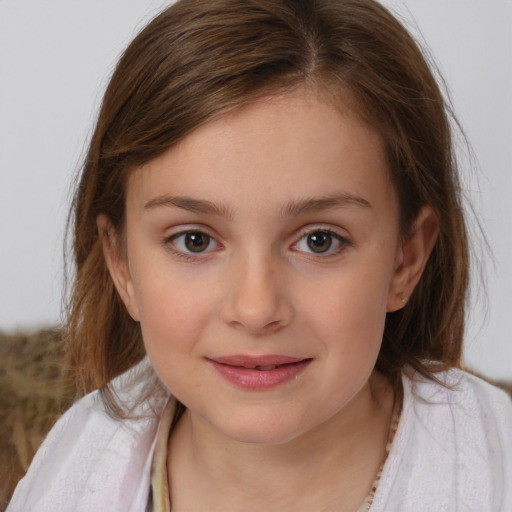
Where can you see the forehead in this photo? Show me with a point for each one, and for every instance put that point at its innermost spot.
(276, 149)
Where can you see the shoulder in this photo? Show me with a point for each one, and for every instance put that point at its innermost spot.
(91, 461)
(463, 403)
(453, 446)
(460, 390)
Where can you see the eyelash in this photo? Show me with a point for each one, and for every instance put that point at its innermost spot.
(343, 243)
(170, 243)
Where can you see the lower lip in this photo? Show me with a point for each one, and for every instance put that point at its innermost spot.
(249, 378)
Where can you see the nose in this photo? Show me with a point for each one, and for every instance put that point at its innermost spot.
(257, 299)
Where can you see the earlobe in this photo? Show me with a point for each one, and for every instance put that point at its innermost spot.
(117, 265)
(412, 258)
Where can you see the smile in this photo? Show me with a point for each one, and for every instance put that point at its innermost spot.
(260, 372)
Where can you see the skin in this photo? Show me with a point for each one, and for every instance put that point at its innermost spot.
(316, 441)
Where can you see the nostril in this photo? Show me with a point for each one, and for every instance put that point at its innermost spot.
(258, 329)
(273, 325)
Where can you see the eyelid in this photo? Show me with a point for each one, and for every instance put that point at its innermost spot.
(322, 228)
(181, 229)
(168, 241)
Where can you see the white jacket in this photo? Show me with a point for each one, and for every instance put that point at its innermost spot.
(452, 452)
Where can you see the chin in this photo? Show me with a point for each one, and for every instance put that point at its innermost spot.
(260, 430)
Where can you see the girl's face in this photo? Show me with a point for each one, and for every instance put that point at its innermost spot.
(262, 256)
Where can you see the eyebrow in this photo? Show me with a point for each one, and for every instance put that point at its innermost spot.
(317, 204)
(190, 204)
(291, 209)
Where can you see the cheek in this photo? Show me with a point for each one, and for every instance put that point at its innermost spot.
(172, 320)
(348, 310)
(174, 307)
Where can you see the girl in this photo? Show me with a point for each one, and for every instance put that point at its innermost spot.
(271, 270)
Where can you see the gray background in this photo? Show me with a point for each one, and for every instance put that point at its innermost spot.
(55, 59)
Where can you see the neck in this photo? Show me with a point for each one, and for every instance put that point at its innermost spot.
(333, 464)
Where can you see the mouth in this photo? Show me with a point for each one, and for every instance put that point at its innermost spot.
(259, 372)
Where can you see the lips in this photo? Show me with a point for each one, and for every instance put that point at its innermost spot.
(258, 372)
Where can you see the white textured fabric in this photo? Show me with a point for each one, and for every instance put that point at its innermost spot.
(452, 452)
(90, 462)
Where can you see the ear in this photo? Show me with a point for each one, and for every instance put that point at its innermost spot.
(117, 265)
(412, 257)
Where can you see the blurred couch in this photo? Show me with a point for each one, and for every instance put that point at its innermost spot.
(33, 394)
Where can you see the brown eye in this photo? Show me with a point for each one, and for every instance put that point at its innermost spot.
(319, 241)
(192, 242)
(196, 241)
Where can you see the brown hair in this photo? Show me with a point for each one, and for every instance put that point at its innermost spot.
(201, 58)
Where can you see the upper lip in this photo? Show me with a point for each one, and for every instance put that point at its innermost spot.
(246, 361)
